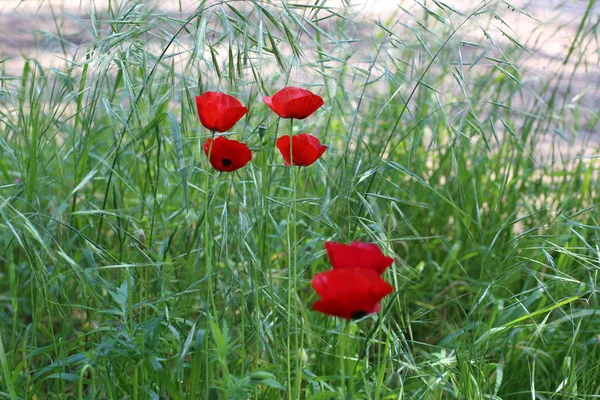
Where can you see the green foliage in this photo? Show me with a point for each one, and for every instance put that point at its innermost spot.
(129, 268)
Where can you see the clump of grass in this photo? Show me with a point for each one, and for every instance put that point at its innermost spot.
(130, 268)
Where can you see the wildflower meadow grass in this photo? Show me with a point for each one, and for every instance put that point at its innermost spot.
(240, 199)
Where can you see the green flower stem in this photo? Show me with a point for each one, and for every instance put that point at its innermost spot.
(207, 232)
(342, 353)
(292, 273)
(208, 259)
(266, 179)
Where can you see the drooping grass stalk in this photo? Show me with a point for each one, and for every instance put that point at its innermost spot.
(85, 369)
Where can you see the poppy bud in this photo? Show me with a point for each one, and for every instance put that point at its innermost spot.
(302, 356)
(389, 223)
(261, 376)
(141, 237)
(262, 130)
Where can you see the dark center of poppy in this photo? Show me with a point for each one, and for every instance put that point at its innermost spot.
(358, 314)
(226, 162)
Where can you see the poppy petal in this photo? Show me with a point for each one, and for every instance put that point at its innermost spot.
(357, 255)
(320, 151)
(269, 102)
(337, 309)
(227, 155)
(207, 111)
(293, 102)
(219, 111)
(302, 152)
(306, 149)
(283, 144)
(228, 119)
(309, 149)
(302, 107)
(349, 293)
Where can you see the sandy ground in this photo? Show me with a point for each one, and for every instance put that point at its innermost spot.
(547, 27)
(27, 27)
(27, 24)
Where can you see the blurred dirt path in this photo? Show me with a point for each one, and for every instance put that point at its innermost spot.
(52, 30)
(22, 20)
(29, 27)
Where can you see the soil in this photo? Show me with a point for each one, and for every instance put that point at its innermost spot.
(51, 31)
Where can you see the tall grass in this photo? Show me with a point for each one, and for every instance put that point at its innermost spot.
(129, 268)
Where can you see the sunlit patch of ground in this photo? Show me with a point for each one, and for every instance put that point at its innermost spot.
(53, 32)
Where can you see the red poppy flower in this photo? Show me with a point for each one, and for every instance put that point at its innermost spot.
(293, 102)
(306, 149)
(227, 155)
(357, 255)
(219, 111)
(349, 293)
